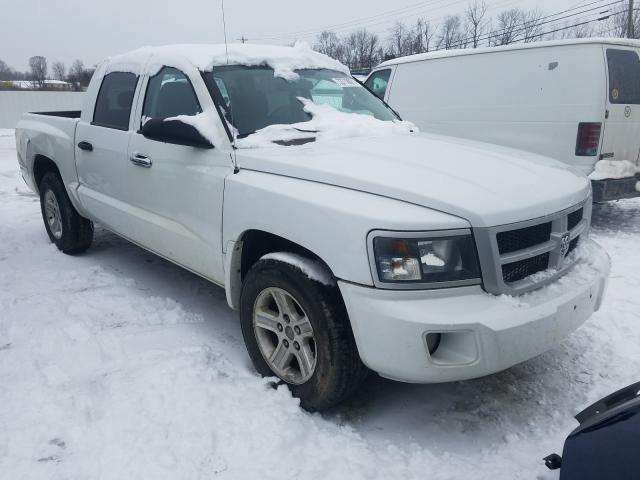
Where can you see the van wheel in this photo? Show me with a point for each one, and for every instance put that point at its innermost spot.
(70, 232)
(297, 329)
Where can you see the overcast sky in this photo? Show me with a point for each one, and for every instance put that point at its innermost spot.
(91, 30)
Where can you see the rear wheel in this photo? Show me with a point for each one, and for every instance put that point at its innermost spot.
(297, 329)
(71, 232)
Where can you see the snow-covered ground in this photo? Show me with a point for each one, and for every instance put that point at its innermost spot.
(116, 364)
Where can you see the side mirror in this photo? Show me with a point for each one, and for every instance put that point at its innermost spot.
(174, 131)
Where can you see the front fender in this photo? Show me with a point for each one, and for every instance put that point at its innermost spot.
(330, 221)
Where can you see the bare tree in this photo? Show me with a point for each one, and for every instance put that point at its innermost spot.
(617, 24)
(38, 66)
(76, 73)
(330, 44)
(59, 70)
(361, 49)
(507, 24)
(476, 23)
(531, 29)
(423, 35)
(5, 71)
(451, 33)
(400, 40)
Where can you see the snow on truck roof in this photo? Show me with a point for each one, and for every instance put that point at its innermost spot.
(283, 60)
(519, 46)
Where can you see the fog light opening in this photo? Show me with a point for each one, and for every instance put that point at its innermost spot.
(433, 342)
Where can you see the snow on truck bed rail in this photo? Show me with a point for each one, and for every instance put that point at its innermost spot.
(283, 60)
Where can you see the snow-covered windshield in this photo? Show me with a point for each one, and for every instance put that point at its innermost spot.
(253, 98)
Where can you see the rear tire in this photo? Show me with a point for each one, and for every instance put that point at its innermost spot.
(71, 232)
(337, 370)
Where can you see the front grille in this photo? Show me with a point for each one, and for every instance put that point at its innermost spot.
(514, 240)
(573, 245)
(511, 254)
(574, 218)
(512, 272)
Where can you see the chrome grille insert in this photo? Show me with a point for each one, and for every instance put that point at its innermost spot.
(510, 254)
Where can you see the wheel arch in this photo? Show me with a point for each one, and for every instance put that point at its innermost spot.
(41, 166)
(250, 247)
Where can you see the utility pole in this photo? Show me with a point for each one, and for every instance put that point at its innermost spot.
(630, 33)
(243, 39)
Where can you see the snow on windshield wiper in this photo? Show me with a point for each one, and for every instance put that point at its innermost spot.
(246, 134)
(295, 141)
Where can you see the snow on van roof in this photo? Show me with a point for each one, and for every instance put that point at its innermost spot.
(283, 60)
(516, 46)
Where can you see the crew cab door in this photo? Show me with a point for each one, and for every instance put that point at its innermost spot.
(621, 139)
(175, 192)
(102, 143)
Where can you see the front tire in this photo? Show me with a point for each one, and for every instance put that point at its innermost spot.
(71, 232)
(297, 329)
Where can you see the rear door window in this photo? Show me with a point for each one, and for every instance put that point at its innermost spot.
(113, 105)
(378, 82)
(170, 94)
(624, 76)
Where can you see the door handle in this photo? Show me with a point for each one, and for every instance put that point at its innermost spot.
(86, 146)
(140, 160)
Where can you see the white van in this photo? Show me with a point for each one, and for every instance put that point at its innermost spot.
(575, 100)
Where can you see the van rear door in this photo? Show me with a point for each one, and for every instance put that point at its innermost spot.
(621, 139)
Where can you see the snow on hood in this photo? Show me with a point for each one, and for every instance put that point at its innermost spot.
(283, 60)
(327, 123)
(485, 184)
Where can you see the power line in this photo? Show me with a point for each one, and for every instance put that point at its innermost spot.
(361, 23)
(576, 25)
(502, 4)
(522, 27)
(351, 23)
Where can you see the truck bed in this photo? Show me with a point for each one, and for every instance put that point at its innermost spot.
(65, 113)
(50, 135)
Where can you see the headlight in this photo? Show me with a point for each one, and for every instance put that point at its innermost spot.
(434, 260)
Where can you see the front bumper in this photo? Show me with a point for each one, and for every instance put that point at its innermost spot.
(615, 188)
(480, 333)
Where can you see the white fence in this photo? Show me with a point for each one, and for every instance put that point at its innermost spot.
(14, 103)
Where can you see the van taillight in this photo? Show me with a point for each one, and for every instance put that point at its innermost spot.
(588, 139)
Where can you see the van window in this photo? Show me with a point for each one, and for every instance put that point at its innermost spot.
(113, 105)
(169, 94)
(624, 76)
(378, 82)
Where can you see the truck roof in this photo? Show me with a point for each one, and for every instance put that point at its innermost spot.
(519, 46)
(284, 60)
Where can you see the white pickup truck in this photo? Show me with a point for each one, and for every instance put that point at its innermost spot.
(347, 240)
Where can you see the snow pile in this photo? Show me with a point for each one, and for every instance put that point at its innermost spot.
(312, 269)
(613, 169)
(283, 60)
(116, 364)
(327, 123)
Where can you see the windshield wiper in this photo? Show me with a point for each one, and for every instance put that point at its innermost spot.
(295, 141)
